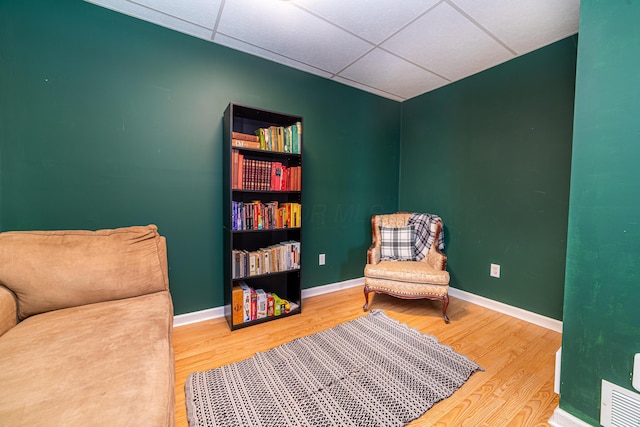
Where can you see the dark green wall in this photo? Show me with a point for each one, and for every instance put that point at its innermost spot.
(601, 330)
(108, 121)
(491, 155)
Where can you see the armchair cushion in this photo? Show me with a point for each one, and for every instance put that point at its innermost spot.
(407, 271)
(398, 243)
(406, 289)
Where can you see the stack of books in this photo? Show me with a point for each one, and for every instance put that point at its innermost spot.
(263, 175)
(284, 256)
(252, 304)
(280, 138)
(265, 216)
(244, 140)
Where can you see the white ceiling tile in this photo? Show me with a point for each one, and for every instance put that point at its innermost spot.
(447, 43)
(525, 25)
(159, 18)
(284, 29)
(256, 51)
(200, 12)
(373, 20)
(386, 72)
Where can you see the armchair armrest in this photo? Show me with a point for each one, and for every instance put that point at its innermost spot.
(8, 310)
(373, 254)
(436, 259)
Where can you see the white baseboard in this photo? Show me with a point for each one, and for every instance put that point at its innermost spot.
(561, 418)
(537, 319)
(518, 313)
(332, 287)
(213, 313)
(198, 316)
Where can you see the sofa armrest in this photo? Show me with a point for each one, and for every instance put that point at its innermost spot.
(8, 310)
(436, 259)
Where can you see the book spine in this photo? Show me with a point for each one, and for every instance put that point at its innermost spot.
(246, 302)
(244, 136)
(236, 304)
(234, 168)
(242, 143)
(254, 304)
(270, 306)
(261, 300)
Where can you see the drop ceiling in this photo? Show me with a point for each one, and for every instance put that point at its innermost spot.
(397, 49)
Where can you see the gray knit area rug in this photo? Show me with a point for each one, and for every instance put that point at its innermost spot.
(371, 371)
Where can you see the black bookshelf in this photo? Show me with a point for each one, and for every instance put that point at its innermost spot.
(285, 284)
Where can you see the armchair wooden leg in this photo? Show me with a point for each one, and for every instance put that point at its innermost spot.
(445, 304)
(366, 298)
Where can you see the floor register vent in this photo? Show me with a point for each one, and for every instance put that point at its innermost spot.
(619, 407)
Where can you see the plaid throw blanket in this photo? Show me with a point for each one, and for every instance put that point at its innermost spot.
(424, 236)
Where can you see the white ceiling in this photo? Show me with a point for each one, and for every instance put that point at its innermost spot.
(397, 49)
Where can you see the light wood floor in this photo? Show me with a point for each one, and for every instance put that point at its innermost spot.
(515, 388)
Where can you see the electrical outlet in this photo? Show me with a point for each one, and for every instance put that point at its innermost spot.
(495, 270)
(321, 259)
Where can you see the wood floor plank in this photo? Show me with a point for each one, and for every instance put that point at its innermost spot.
(518, 358)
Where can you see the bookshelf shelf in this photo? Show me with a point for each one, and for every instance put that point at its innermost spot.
(270, 230)
(235, 190)
(266, 153)
(257, 276)
(262, 177)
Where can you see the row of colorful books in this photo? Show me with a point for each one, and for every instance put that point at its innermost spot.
(252, 304)
(284, 139)
(265, 216)
(283, 256)
(263, 175)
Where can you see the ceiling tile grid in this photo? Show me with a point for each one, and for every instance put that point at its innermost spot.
(525, 25)
(447, 43)
(156, 16)
(373, 20)
(389, 73)
(395, 49)
(278, 27)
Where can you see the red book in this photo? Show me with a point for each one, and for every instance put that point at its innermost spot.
(265, 174)
(254, 304)
(239, 175)
(276, 176)
(234, 168)
(255, 216)
(294, 178)
(252, 175)
(285, 179)
(270, 307)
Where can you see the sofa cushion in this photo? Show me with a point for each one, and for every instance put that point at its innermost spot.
(49, 270)
(397, 243)
(103, 364)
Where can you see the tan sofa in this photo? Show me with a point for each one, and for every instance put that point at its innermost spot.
(85, 329)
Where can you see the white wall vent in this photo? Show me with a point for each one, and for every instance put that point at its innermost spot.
(619, 407)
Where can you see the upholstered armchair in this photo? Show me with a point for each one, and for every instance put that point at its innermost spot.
(400, 264)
